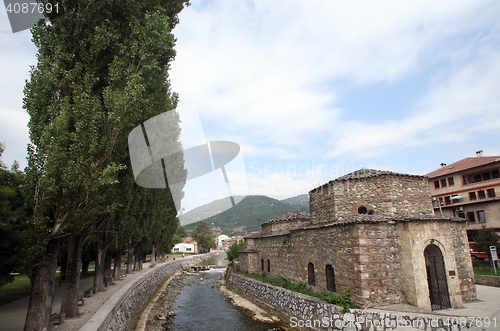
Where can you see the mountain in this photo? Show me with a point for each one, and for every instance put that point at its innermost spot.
(300, 200)
(245, 217)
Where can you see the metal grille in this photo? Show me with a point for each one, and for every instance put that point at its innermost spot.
(436, 278)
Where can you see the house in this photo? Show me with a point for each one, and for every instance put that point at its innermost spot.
(375, 233)
(470, 189)
(185, 248)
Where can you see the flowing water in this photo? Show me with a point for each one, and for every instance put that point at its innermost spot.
(200, 306)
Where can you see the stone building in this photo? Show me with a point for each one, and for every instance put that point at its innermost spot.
(372, 232)
(468, 188)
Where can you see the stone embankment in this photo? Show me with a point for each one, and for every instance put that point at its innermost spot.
(307, 313)
(121, 311)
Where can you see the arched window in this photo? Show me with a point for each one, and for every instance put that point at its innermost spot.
(330, 279)
(262, 264)
(268, 266)
(311, 279)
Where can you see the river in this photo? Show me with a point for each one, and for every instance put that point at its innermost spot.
(200, 306)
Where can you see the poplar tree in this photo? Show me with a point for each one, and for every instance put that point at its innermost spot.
(102, 70)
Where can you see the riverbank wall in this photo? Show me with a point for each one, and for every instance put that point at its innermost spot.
(308, 313)
(121, 311)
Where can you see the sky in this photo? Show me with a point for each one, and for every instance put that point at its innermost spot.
(312, 90)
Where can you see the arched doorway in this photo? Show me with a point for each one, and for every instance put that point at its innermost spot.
(436, 278)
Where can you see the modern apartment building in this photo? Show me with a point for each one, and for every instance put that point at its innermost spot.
(469, 188)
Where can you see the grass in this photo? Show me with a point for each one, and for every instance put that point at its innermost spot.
(343, 300)
(16, 290)
(20, 288)
(486, 270)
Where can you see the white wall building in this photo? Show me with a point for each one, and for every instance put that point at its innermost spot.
(185, 248)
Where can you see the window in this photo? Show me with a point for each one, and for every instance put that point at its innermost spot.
(447, 200)
(268, 266)
(176, 249)
(481, 194)
(495, 174)
(330, 279)
(188, 249)
(436, 184)
(477, 178)
(362, 210)
(491, 192)
(262, 264)
(451, 181)
(470, 217)
(310, 275)
(465, 179)
(443, 182)
(461, 214)
(481, 216)
(472, 196)
(486, 176)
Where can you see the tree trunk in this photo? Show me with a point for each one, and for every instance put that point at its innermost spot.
(107, 267)
(85, 268)
(161, 255)
(69, 303)
(102, 246)
(153, 254)
(118, 264)
(138, 257)
(130, 258)
(42, 290)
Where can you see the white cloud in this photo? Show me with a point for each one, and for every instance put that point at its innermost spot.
(273, 69)
(463, 105)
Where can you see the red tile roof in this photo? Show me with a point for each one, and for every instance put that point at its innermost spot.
(464, 164)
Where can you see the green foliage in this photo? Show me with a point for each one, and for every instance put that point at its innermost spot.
(233, 253)
(13, 214)
(102, 70)
(342, 300)
(181, 232)
(246, 216)
(203, 235)
(484, 239)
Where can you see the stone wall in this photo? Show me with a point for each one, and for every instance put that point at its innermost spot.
(488, 280)
(384, 194)
(308, 313)
(123, 308)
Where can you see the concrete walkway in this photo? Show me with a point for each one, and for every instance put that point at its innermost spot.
(486, 310)
(13, 315)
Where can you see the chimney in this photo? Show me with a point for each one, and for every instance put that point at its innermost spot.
(479, 153)
(443, 164)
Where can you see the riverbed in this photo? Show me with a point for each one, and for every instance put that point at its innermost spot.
(191, 301)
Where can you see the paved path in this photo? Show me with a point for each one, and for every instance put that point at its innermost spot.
(486, 310)
(13, 315)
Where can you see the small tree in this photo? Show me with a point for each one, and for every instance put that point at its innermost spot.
(484, 239)
(203, 235)
(233, 253)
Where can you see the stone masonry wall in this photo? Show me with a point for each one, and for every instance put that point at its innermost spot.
(465, 271)
(123, 308)
(487, 280)
(364, 258)
(384, 195)
(308, 313)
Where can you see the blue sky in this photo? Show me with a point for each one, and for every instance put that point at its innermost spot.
(312, 90)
